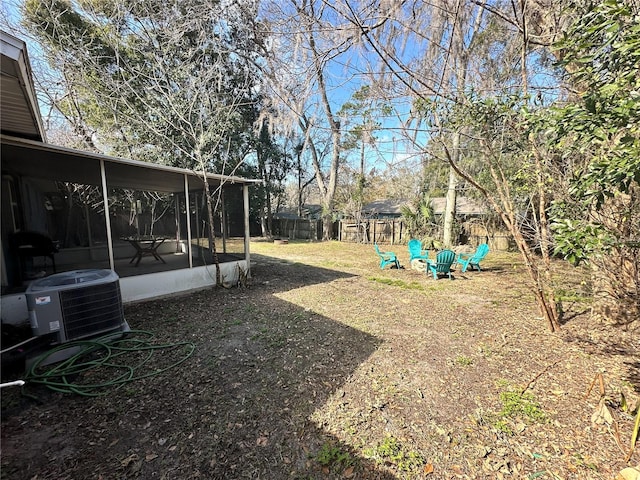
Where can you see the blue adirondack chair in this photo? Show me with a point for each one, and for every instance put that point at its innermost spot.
(443, 262)
(386, 258)
(473, 260)
(416, 252)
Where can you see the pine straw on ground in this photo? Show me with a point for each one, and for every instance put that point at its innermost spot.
(327, 367)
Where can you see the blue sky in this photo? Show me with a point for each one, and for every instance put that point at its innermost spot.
(345, 76)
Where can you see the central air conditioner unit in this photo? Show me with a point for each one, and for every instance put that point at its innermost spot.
(76, 305)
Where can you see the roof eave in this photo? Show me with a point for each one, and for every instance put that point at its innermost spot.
(16, 72)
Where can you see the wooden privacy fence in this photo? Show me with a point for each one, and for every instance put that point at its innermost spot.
(292, 229)
(384, 231)
(381, 231)
(389, 231)
(393, 231)
(498, 240)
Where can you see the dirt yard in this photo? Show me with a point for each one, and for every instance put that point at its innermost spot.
(326, 367)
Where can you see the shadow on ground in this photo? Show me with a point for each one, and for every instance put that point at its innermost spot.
(240, 407)
(624, 344)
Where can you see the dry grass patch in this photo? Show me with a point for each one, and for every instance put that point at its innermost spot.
(328, 367)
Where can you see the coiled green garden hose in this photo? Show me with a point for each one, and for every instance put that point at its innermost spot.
(106, 362)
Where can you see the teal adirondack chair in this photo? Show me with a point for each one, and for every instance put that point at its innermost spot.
(473, 260)
(443, 262)
(386, 258)
(416, 252)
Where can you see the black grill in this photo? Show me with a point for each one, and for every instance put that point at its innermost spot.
(91, 310)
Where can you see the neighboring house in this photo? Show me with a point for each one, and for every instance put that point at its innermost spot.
(465, 206)
(309, 212)
(393, 208)
(384, 209)
(286, 215)
(476, 225)
(34, 173)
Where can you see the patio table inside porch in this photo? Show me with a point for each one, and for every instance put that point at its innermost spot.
(146, 245)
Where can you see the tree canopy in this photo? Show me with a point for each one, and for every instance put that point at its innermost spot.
(166, 81)
(541, 124)
(599, 130)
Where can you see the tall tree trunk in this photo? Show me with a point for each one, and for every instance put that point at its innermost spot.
(265, 218)
(299, 154)
(327, 224)
(452, 193)
(212, 230)
(450, 210)
(263, 225)
(328, 190)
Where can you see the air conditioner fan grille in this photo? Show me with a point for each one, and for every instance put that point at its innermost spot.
(91, 309)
